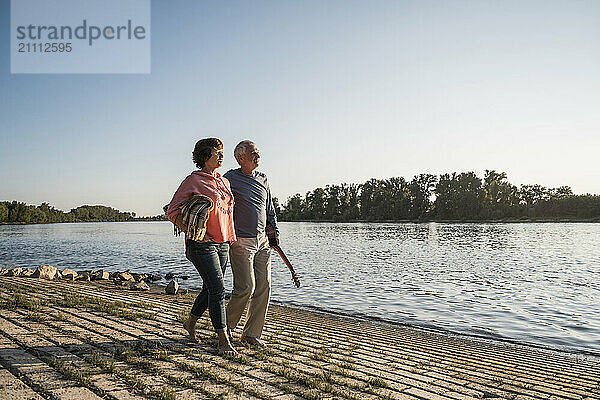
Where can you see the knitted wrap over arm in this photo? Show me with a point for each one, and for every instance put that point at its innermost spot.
(194, 212)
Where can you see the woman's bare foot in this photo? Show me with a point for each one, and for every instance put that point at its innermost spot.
(224, 347)
(190, 326)
(227, 350)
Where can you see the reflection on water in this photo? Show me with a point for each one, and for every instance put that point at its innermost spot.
(534, 283)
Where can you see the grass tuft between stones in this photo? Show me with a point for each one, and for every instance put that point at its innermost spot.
(116, 308)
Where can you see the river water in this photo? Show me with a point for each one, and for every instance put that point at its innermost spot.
(524, 282)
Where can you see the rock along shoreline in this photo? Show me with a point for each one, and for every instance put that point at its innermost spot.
(131, 280)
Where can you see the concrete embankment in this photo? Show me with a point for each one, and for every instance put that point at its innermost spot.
(90, 340)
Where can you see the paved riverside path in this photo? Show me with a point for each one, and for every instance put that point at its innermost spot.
(91, 340)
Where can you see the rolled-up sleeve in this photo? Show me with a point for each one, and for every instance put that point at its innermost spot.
(181, 194)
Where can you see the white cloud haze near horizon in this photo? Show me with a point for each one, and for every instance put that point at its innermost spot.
(331, 92)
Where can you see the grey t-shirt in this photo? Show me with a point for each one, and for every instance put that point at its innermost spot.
(253, 206)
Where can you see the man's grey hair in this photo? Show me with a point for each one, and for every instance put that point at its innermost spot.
(241, 148)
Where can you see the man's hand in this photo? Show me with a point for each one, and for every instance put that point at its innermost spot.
(272, 235)
(274, 241)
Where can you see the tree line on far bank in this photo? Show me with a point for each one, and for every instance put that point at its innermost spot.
(447, 197)
(18, 212)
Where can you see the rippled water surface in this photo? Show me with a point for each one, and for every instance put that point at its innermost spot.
(532, 283)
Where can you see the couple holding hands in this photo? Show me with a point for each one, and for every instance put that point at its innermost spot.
(231, 223)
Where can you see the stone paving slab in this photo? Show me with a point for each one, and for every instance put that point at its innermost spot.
(71, 393)
(13, 388)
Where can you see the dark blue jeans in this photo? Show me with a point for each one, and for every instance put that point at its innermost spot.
(210, 258)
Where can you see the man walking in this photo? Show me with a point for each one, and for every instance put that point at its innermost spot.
(250, 255)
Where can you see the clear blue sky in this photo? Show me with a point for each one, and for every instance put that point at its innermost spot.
(331, 91)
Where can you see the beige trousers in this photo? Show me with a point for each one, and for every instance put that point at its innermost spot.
(251, 265)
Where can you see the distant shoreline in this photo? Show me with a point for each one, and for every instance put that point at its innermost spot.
(496, 221)
(79, 222)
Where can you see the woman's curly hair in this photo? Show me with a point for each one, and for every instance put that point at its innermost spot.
(203, 150)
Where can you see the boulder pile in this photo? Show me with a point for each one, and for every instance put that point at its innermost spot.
(132, 280)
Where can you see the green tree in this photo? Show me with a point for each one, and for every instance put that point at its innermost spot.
(560, 192)
(393, 199)
(445, 197)
(531, 194)
(341, 202)
(470, 196)
(81, 214)
(352, 202)
(17, 212)
(315, 204)
(459, 196)
(421, 189)
(3, 212)
(294, 208)
(369, 200)
(499, 195)
(333, 202)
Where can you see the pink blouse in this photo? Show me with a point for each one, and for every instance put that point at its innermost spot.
(219, 226)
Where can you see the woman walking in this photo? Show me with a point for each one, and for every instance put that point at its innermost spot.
(202, 208)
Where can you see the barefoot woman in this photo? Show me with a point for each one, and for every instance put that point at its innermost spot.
(208, 255)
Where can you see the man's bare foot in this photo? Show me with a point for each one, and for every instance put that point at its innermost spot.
(252, 341)
(190, 327)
